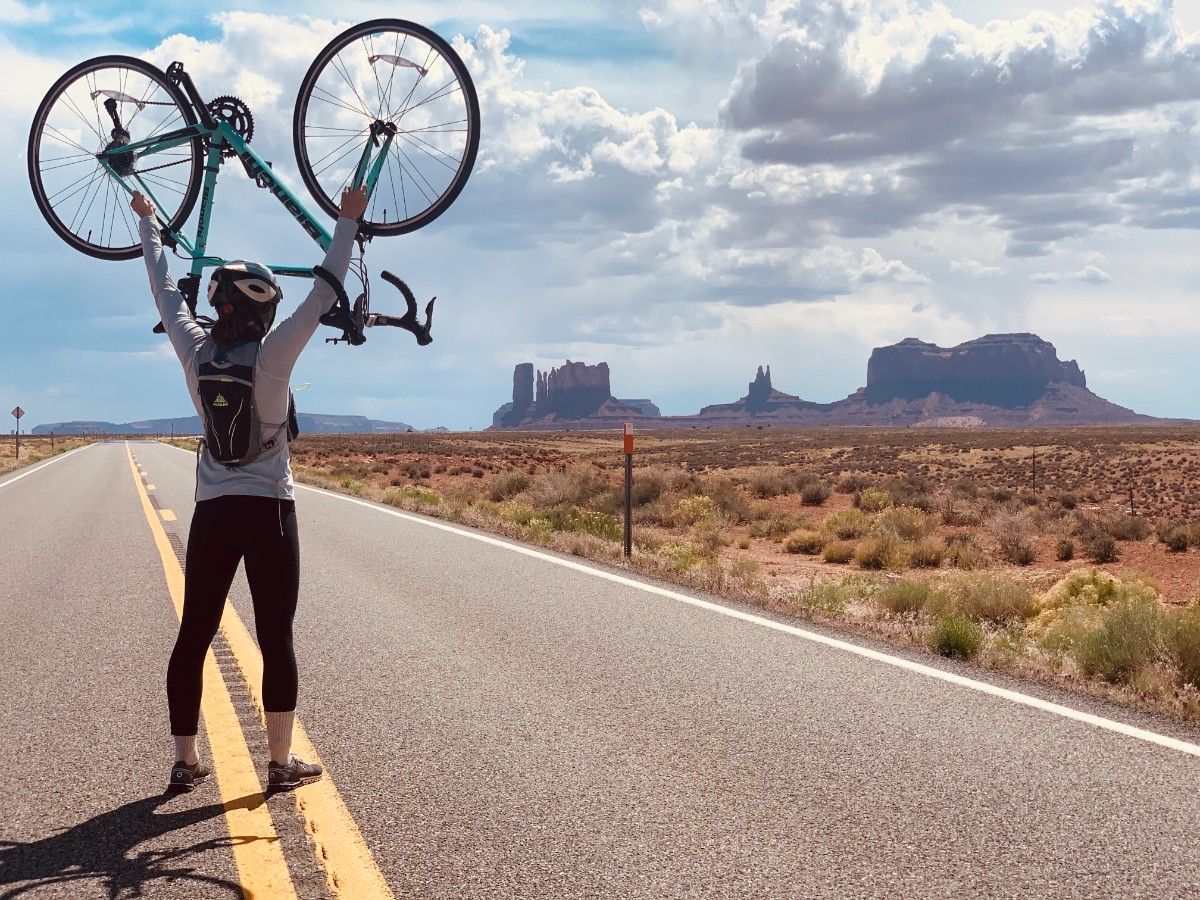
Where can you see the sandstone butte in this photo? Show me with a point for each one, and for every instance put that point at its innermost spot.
(998, 380)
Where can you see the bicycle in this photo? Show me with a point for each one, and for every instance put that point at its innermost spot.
(387, 104)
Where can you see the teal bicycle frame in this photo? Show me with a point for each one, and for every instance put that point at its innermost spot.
(220, 137)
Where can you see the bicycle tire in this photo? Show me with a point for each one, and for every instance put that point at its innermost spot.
(454, 149)
(57, 180)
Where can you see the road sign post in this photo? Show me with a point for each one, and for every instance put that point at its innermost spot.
(17, 413)
(628, 435)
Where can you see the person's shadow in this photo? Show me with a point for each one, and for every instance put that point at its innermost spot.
(103, 849)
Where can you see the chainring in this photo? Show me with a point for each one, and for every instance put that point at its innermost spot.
(237, 115)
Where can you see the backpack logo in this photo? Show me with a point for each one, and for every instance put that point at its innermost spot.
(220, 401)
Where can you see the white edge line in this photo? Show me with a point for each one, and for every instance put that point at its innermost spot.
(50, 462)
(1152, 737)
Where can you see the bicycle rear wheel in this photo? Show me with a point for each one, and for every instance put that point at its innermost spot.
(83, 202)
(397, 75)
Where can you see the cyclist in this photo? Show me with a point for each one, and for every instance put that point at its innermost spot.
(238, 379)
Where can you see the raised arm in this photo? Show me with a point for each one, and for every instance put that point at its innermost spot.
(182, 329)
(282, 345)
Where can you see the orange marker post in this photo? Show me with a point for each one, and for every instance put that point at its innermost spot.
(628, 436)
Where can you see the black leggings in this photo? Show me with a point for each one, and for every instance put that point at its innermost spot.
(225, 530)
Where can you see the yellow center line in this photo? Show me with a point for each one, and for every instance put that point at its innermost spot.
(257, 853)
(167, 515)
(350, 869)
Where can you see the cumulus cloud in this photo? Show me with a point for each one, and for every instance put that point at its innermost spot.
(1092, 114)
(1087, 275)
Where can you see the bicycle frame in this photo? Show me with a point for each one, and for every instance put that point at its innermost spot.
(119, 162)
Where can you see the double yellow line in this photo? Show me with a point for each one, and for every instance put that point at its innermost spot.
(350, 870)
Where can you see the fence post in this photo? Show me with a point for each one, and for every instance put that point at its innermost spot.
(628, 440)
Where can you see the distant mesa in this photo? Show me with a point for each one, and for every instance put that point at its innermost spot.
(570, 393)
(998, 380)
(1005, 370)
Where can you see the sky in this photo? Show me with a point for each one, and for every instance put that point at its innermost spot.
(684, 189)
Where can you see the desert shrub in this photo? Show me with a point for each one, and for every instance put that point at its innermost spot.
(691, 510)
(963, 552)
(1091, 587)
(1128, 638)
(1182, 631)
(820, 595)
(1176, 534)
(779, 527)
(927, 553)
(743, 544)
(1177, 540)
(1019, 554)
(964, 487)
(881, 552)
(1001, 494)
(506, 485)
(915, 491)
(708, 539)
(838, 552)
(415, 495)
(1126, 528)
(610, 501)
(804, 541)
(954, 635)
(648, 485)
(870, 500)
(814, 493)
(1099, 546)
(904, 597)
(728, 499)
(994, 599)
(853, 483)
(802, 479)
(552, 489)
(904, 522)
(598, 524)
(957, 512)
(767, 483)
(1067, 500)
(1012, 530)
(847, 524)
(1064, 550)
(353, 485)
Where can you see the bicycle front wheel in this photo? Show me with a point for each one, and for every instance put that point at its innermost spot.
(102, 104)
(388, 77)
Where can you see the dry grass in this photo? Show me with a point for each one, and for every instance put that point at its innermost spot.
(35, 448)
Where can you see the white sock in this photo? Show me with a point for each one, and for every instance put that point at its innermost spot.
(185, 749)
(279, 736)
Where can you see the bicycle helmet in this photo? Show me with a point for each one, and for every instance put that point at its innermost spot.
(249, 288)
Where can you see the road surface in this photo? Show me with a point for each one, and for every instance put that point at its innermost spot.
(501, 722)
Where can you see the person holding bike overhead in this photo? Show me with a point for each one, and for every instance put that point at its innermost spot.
(238, 377)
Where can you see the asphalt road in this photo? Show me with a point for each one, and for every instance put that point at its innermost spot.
(511, 724)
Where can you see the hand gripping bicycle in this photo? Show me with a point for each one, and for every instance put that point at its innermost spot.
(387, 104)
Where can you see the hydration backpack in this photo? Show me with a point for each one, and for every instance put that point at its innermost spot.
(232, 427)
